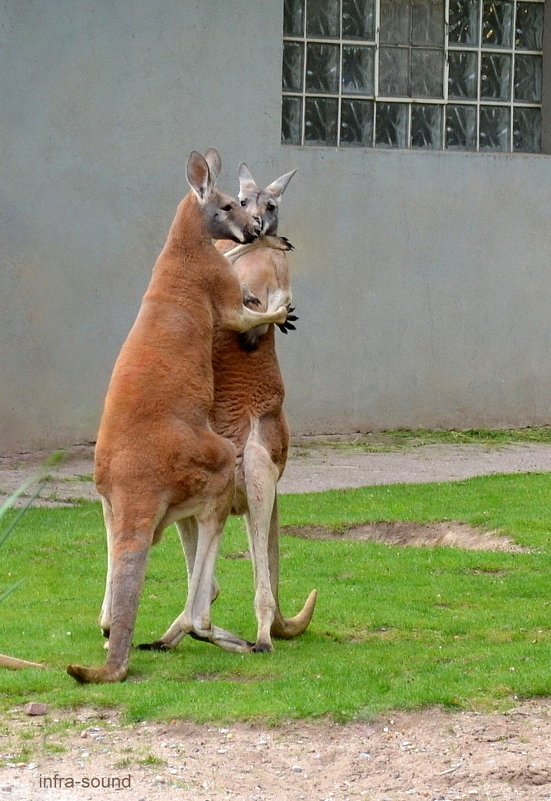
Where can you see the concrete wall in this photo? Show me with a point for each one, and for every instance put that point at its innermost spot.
(422, 280)
(429, 301)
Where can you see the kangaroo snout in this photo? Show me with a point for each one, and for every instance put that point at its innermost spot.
(253, 231)
(258, 225)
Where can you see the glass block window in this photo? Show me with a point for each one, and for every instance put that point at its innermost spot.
(430, 74)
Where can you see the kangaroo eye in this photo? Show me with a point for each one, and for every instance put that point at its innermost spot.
(243, 202)
(227, 208)
(271, 207)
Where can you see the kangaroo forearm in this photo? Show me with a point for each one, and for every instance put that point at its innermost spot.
(248, 318)
(273, 242)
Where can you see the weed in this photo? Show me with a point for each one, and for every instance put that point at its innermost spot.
(399, 439)
(125, 762)
(151, 761)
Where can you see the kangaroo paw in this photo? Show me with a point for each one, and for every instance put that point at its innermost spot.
(276, 242)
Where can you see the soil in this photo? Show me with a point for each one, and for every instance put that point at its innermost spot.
(428, 754)
(312, 467)
(415, 535)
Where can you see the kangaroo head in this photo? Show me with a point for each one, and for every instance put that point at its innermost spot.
(222, 215)
(262, 203)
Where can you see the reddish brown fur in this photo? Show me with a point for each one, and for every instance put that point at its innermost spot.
(249, 384)
(248, 410)
(161, 390)
(157, 461)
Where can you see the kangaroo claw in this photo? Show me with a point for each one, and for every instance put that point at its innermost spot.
(288, 324)
(248, 298)
(286, 242)
(276, 242)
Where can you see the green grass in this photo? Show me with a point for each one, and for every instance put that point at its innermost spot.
(395, 627)
(399, 439)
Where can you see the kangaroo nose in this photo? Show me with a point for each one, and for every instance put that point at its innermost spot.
(257, 224)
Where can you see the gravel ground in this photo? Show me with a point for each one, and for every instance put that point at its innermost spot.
(429, 754)
(312, 467)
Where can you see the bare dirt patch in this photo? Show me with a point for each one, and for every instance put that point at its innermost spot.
(431, 754)
(419, 535)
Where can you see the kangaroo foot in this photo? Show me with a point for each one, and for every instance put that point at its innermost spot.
(262, 648)
(101, 675)
(223, 639)
(157, 645)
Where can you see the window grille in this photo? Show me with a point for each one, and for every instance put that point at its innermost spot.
(433, 74)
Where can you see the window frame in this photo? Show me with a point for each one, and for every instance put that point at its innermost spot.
(480, 102)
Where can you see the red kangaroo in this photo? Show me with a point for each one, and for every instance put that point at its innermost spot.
(157, 460)
(248, 398)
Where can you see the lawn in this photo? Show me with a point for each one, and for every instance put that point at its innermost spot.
(395, 627)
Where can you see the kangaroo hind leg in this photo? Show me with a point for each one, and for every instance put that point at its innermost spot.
(189, 533)
(130, 545)
(285, 628)
(201, 540)
(261, 477)
(188, 530)
(105, 614)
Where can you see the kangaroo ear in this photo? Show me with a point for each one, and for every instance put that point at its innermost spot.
(246, 180)
(198, 176)
(212, 157)
(278, 187)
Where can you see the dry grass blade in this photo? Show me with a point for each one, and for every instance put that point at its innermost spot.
(12, 663)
